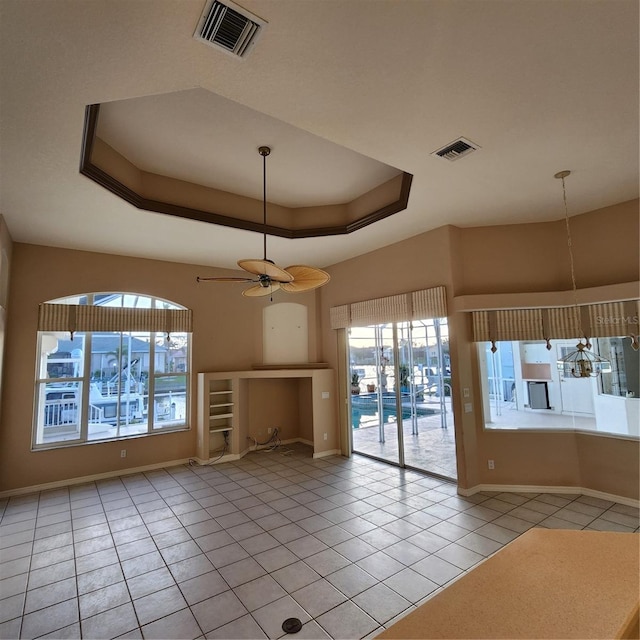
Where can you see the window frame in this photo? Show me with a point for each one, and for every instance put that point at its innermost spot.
(85, 380)
(596, 389)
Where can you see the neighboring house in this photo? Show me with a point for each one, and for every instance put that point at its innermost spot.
(106, 351)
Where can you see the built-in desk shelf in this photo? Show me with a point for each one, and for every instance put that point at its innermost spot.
(236, 406)
(220, 416)
(215, 414)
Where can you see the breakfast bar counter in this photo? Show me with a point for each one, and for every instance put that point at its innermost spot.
(545, 584)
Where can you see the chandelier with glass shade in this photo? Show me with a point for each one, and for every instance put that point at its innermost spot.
(582, 362)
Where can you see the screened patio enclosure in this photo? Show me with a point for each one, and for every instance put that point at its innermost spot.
(400, 378)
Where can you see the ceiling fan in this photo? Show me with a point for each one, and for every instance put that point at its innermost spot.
(270, 277)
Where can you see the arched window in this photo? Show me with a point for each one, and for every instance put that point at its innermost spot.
(110, 366)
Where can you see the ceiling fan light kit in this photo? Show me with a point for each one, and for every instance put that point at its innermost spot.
(270, 277)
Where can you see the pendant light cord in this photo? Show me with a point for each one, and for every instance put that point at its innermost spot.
(574, 287)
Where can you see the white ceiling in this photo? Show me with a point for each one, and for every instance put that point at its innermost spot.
(198, 136)
(540, 85)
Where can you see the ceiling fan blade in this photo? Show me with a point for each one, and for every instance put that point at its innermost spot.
(199, 279)
(265, 268)
(258, 290)
(305, 278)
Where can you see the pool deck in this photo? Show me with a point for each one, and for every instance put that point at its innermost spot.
(431, 448)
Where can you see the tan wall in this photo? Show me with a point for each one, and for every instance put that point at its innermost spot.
(605, 244)
(530, 458)
(534, 257)
(506, 259)
(609, 464)
(227, 335)
(270, 405)
(305, 403)
(6, 245)
(511, 258)
(6, 251)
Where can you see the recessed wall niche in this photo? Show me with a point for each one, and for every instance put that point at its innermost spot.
(285, 334)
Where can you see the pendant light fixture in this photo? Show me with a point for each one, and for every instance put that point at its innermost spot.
(581, 363)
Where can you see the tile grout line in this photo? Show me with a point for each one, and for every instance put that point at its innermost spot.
(325, 478)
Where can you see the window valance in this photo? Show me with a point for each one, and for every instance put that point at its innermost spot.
(416, 305)
(600, 320)
(72, 318)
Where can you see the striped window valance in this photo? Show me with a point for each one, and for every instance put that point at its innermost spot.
(612, 319)
(340, 316)
(508, 324)
(388, 309)
(72, 318)
(416, 305)
(600, 320)
(429, 303)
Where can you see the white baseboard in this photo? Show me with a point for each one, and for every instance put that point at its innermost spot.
(230, 457)
(324, 454)
(321, 454)
(262, 447)
(92, 478)
(527, 488)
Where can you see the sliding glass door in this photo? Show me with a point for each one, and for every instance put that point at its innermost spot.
(401, 394)
(373, 404)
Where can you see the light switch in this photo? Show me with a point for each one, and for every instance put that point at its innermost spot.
(468, 407)
(325, 395)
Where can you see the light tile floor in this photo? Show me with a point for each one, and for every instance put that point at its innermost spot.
(231, 551)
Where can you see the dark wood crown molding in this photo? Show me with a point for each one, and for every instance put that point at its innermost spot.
(101, 177)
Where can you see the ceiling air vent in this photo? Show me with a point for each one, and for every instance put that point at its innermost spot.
(228, 27)
(456, 150)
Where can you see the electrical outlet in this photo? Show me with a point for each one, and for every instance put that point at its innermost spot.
(123, 453)
(491, 464)
(325, 436)
(269, 430)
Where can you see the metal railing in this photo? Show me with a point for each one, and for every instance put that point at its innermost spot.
(168, 406)
(59, 413)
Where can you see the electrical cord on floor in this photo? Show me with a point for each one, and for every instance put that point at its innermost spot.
(276, 444)
(274, 441)
(193, 462)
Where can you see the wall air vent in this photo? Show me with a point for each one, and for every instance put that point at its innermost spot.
(457, 149)
(228, 27)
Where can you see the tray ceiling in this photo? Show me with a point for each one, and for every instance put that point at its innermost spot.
(538, 86)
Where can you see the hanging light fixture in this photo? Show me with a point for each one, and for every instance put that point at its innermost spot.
(270, 277)
(581, 363)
